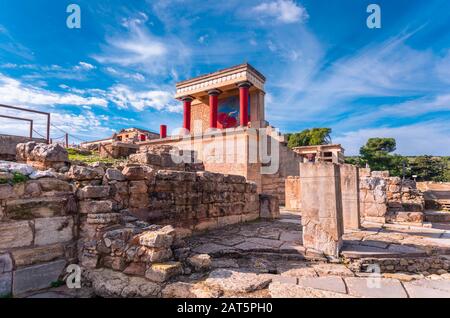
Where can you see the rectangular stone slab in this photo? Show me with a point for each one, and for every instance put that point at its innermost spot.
(37, 277)
(350, 196)
(321, 207)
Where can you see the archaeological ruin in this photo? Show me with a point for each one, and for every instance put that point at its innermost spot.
(222, 208)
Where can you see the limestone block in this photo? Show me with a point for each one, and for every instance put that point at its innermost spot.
(269, 206)
(350, 196)
(37, 276)
(103, 218)
(52, 184)
(153, 255)
(39, 254)
(99, 206)
(81, 173)
(32, 188)
(138, 187)
(200, 262)
(292, 193)
(15, 234)
(6, 264)
(93, 192)
(162, 272)
(156, 239)
(114, 175)
(322, 218)
(53, 230)
(380, 174)
(23, 209)
(134, 173)
(6, 191)
(5, 284)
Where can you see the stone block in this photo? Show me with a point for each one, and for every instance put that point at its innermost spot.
(229, 220)
(15, 234)
(375, 287)
(6, 264)
(134, 173)
(269, 207)
(6, 191)
(350, 196)
(25, 209)
(37, 277)
(292, 193)
(200, 262)
(162, 272)
(52, 184)
(93, 192)
(81, 173)
(322, 218)
(39, 254)
(93, 207)
(53, 230)
(103, 218)
(155, 239)
(114, 175)
(138, 187)
(5, 284)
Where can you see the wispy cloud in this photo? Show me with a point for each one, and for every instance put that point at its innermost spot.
(160, 100)
(140, 49)
(283, 11)
(17, 93)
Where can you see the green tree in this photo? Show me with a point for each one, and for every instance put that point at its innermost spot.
(377, 153)
(428, 168)
(310, 137)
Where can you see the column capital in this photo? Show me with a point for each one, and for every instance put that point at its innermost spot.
(214, 92)
(245, 84)
(187, 98)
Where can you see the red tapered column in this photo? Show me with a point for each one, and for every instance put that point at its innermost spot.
(162, 131)
(213, 107)
(243, 102)
(187, 113)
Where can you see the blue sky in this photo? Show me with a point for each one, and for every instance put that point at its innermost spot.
(324, 67)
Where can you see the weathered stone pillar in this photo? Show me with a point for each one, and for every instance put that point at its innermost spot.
(321, 207)
(350, 196)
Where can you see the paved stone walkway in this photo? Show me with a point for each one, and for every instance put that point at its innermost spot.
(284, 236)
(266, 259)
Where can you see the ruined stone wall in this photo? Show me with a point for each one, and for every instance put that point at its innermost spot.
(389, 199)
(117, 150)
(274, 184)
(8, 146)
(38, 231)
(436, 195)
(129, 219)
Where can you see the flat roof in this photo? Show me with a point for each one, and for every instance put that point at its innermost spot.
(228, 69)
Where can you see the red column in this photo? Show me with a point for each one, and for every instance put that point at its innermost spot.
(213, 107)
(187, 113)
(162, 131)
(243, 101)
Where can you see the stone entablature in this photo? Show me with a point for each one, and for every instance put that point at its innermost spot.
(222, 79)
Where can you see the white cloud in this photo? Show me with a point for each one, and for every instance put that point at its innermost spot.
(16, 93)
(84, 66)
(140, 49)
(430, 138)
(125, 97)
(138, 77)
(284, 11)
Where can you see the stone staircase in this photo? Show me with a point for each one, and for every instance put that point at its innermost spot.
(441, 216)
